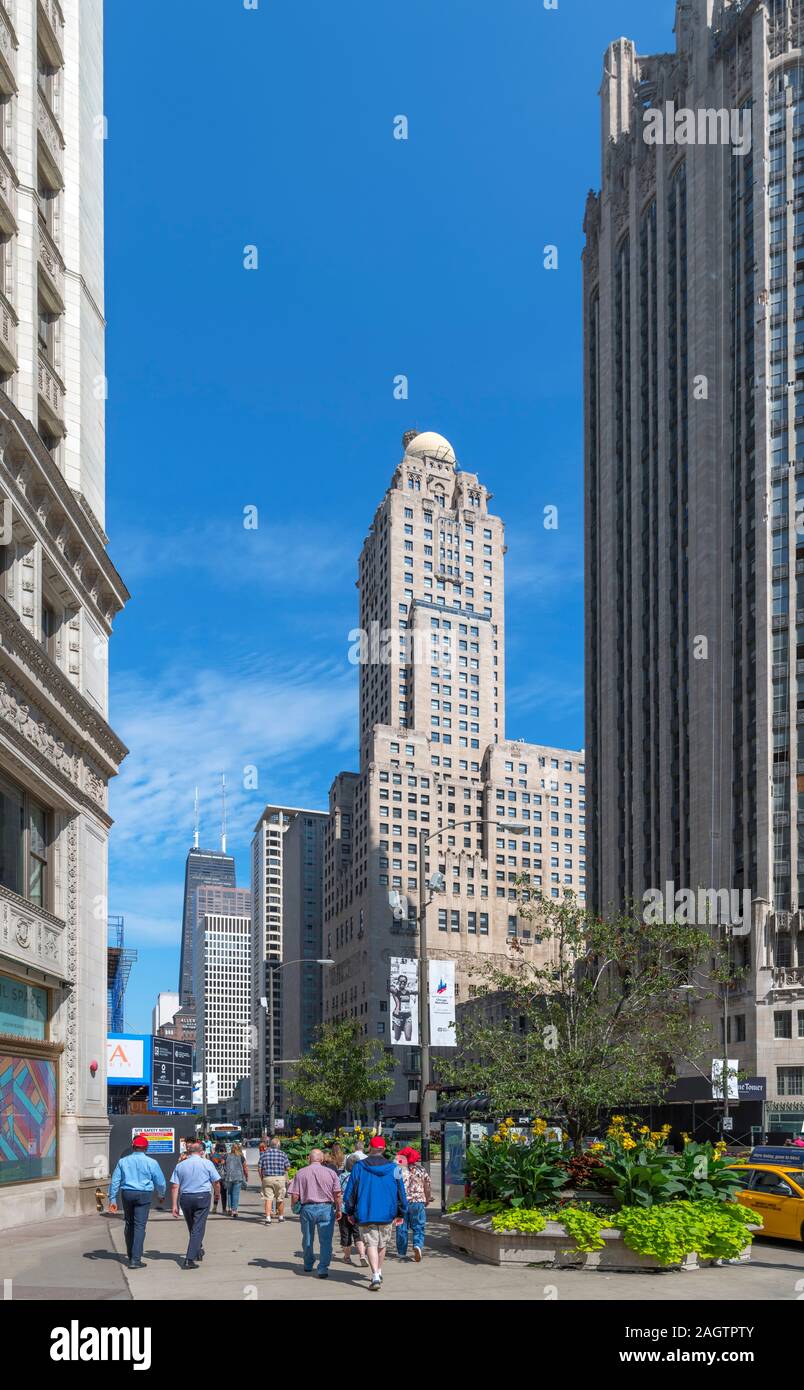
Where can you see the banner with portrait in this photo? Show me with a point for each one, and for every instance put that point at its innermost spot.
(442, 1003)
(404, 1002)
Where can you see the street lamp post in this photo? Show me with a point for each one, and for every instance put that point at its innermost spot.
(424, 984)
(274, 966)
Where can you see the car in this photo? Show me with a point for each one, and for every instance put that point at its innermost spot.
(774, 1189)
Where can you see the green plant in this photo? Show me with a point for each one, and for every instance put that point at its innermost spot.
(715, 1230)
(705, 1173)
(529, 1220)
(504, 1168)
(584, 1227)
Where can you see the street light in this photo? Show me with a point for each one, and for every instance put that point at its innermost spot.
(276, 966)
(512, 828)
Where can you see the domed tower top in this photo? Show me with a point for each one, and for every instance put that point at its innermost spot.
(428, 445)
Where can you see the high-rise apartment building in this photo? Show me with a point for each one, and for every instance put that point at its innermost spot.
(434, 755)
(693, 301)
(203, 867)
(287, 890)
(59, 594)
(222, 985)
(166, 1005)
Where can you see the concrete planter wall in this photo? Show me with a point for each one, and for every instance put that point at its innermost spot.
(554, 1248)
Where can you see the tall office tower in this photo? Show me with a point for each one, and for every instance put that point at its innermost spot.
(59, 594)
(433, 754)
(222, 977)
(286, 887)
(203, 867)
(693, 295)
(166, 1006)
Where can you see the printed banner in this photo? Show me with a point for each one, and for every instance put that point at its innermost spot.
(128, 1059)
(160, 1141)
(404, 992)
(731, 1075)
(442, 1003)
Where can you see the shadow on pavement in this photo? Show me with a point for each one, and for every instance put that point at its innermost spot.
(104, 1255)
(336, 1276)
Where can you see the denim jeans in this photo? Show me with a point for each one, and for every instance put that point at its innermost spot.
(233, 1191)
(318, 1216)
(413, 1223)
(136, 1207)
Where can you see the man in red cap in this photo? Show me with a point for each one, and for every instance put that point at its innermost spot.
(136, 1177)
(375, 1197)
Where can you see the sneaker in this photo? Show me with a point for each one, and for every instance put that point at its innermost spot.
(267, 1221)
(136, 1264)
(417, 1253)
(364, 1261)
(323, 1274)
(376, 1283)
(280, 1218)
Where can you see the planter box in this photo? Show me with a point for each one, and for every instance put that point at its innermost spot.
(553, 1248)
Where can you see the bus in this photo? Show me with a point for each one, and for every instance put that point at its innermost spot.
(228, 1134)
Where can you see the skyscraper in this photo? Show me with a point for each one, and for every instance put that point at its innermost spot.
(59, 595)
(222, 984)
(203, 867)
(286, 885)
(433, 755)
(693, 294)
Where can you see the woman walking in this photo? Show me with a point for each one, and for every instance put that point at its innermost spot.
(235, 1176)
(419, 1192)
(347, 1226)
(218, 1158)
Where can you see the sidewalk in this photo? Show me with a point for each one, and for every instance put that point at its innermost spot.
(246, 1260)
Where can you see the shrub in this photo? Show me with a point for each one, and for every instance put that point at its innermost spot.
(715, 1230)
(505, 1168)
(585, 1228)
(586, 1170)
(528, 1220)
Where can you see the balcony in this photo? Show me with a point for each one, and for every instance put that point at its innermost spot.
(51, 268)
(51, 142)
(51, 398)
(32, 937)
(51, 31)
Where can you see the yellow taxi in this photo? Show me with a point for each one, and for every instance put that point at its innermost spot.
(774, 1189)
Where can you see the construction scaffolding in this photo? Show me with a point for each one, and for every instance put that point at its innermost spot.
(120, 960)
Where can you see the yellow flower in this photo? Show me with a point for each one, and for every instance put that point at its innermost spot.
(618, 1119)
(628, 1142)
(596, 1148)
(496, 1138)
(644, 1129)
(509, 1121)
(686, 1138)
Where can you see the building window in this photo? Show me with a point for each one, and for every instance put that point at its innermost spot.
(790, 1081)
(783, 1024)
(24, 844)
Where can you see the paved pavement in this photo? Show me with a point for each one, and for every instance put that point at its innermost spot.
(246, 1260)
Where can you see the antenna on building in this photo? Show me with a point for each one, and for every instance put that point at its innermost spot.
(223, 813)
(197, 830)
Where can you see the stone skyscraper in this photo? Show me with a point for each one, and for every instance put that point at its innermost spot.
(694, 362)
(59, 594)
(433, 754)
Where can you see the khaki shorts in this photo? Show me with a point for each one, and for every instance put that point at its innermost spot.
(377, 1236)
(274, 1187)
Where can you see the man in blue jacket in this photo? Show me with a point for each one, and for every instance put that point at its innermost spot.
(136, 1177)
(375, 1197)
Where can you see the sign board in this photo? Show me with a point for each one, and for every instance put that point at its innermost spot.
(789, 1156)
(727, 1123)
(198, 1088)
(717, 1079)
(23, 1009)
(160, 1141)
(404, 991)
(279, 1124)
(171, 1075)
(442, 1003)
(128, 1059)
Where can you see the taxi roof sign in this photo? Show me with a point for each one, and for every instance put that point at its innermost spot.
(784, 1156)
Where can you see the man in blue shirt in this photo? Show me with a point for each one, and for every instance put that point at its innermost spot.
(136, 1178)
(192, 1183)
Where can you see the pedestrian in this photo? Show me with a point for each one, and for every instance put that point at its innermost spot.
(136, 1177)
(375, 1196)
(358, 1152)
(235, 1175)
(192, 1184)
(419, 1192)
(273, 1167)
(317, 1189)
(218, 1158)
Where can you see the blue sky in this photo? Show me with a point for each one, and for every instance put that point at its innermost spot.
(274, 387)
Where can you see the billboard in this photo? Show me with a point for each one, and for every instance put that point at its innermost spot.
(198, 1088)
(404, 991)
(732, 1086)
(442, 1002)
(128, 1059)
(172, 1075)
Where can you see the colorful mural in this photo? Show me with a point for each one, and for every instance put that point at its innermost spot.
(28, 1112)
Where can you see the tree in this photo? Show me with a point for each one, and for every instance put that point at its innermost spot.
(342, 1071)
(596, 1026)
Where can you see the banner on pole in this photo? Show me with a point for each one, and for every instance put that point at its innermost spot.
(442, 1003)
(404, 990)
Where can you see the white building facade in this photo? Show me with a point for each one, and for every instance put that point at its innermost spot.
(223, 983)
(59, 594)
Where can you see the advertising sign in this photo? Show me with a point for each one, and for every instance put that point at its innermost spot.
(717, 1079)
(404, 990)
(172, 1075)
(160, 1141)
(442, 1003)
(198, 1088)
(128, 1059)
